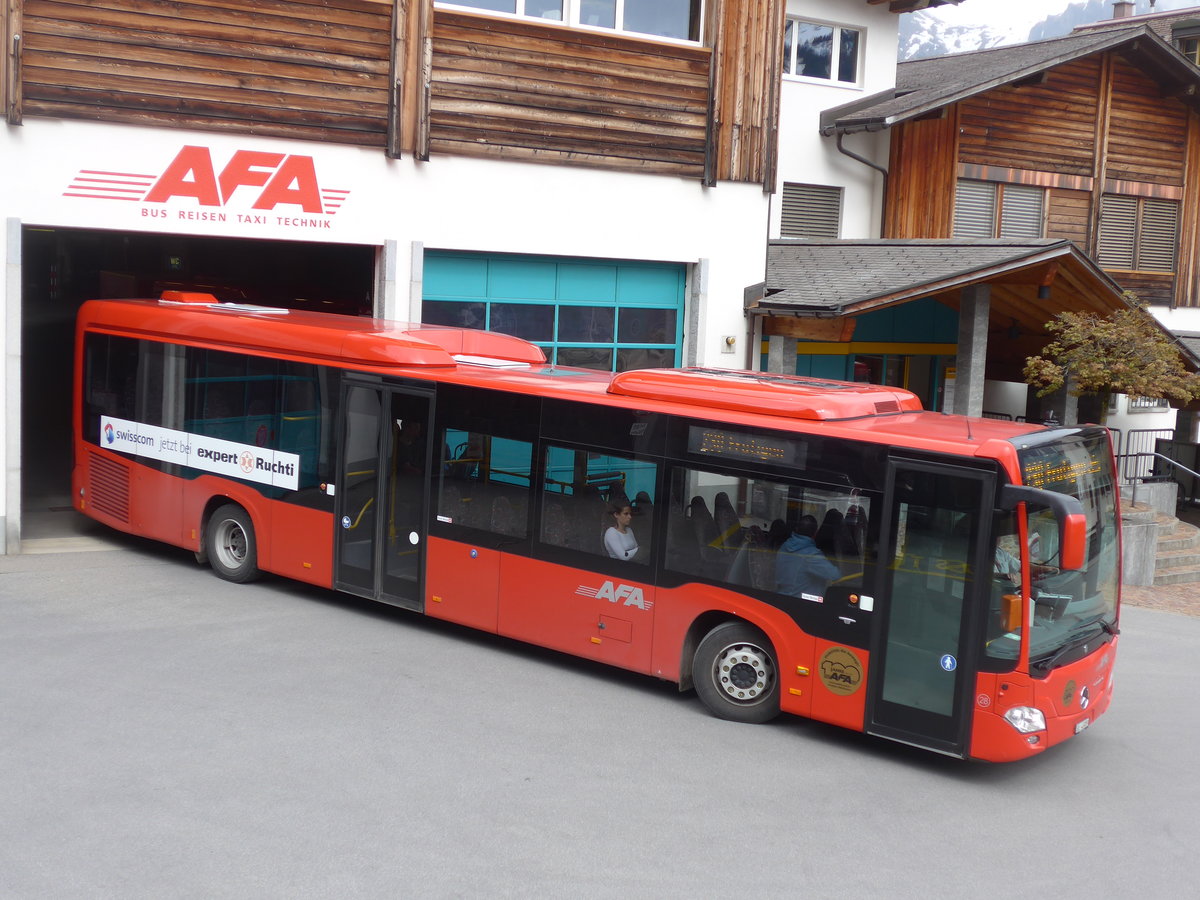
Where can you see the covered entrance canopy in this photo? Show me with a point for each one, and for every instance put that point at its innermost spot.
(1004, 292)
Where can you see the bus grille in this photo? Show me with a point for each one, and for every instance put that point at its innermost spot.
(108, 487)
(886, 406)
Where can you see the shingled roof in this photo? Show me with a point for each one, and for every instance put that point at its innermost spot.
(1163, 23)
(840, 277)
(926, 85)
(827, 279)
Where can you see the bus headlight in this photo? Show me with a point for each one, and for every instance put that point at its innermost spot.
(1026, 719)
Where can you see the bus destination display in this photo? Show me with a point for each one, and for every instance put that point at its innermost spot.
(1056, 470)
(739, 445)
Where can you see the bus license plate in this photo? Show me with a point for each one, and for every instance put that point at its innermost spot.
(1082, 724)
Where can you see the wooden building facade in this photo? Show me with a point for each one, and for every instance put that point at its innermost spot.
(409, 77)
(1094, 138)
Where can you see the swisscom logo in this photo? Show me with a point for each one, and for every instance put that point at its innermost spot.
(109, 435)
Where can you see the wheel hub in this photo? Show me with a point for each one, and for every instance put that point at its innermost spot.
(743, 672)
(232, 543)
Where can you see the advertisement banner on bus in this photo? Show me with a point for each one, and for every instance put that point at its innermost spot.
(228, 458)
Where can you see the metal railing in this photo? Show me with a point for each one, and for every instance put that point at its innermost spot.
(1137, 454)
(1153, 455)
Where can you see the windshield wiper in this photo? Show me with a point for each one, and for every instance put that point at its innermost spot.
(1048, 663)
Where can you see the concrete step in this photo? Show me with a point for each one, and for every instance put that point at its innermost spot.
(1139, 513)
(1185, 575)
(1178, 559)
(1174, 535)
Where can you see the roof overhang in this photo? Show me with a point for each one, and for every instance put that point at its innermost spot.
(904, 6)
(1029, 282)
(928, 93)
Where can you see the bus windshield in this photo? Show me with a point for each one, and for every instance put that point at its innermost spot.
(1070, 609)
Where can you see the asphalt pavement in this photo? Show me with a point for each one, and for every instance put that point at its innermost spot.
(167, 734)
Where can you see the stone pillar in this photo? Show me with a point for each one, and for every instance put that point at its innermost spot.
(1059, 408)
(781, 355)
(972, 350)
(10, 391)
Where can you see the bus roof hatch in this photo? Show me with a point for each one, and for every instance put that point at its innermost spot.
(770, 393)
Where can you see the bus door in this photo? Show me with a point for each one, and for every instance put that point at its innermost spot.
(382, 496)
(936, 574)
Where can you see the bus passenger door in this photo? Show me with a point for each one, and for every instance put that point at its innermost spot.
(936, 574)
(381, 498)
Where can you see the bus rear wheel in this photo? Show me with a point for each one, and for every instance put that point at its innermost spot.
(736, 674)
(232, 550)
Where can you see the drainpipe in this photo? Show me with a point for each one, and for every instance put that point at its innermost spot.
(866, 162)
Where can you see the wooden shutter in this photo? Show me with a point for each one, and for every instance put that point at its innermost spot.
(1118, 232)
(1157, 235)
(1021, 211)
(974, 209)
(811, 211)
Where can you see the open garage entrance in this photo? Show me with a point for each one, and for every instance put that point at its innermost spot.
(61, 268)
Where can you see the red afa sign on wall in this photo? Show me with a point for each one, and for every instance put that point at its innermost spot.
(254, 187)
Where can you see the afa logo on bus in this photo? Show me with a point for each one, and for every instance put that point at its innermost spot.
(625, 594)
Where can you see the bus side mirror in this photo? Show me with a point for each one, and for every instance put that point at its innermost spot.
(1073, 542)
(1068, 513)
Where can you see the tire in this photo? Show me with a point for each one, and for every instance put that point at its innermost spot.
(736, 674)
(231, 546)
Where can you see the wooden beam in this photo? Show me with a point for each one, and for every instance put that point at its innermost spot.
(839, 330)
(10, 74)
(1100, 170)
(397, 79)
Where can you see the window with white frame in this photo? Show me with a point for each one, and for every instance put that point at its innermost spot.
(1148, 404)
(983, 209)
(825, 52)
(675, 19)
(811, 211)
(1137, 233)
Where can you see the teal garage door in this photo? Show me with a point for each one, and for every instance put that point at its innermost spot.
(599, 314)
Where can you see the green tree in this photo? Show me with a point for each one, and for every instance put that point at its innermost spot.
(1124, 352)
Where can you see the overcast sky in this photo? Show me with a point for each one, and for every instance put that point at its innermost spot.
(1021, 15)
(1000, 12)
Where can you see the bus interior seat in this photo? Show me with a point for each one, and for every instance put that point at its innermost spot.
(506, 518)
(729, 524)
(555, 528)
(709, 546)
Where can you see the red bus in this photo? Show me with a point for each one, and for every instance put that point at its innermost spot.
(824, 549)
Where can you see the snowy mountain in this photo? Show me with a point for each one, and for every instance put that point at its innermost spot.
(923, 34)
(952, 30)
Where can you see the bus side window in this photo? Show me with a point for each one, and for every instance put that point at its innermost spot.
(233, 397)
(484, 482)
(732, 529)
(581, 491)
(125, 379)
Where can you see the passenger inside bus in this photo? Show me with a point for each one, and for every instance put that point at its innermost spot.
(800, 567)
(618, 537)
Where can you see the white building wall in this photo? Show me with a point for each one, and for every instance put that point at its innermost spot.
(97, 176)
(807, 158)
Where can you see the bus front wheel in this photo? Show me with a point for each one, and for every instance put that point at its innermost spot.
(736, 675)
(232, 550)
